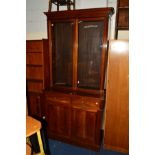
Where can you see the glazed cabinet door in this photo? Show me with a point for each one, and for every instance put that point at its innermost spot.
(90, 41)
(62, 56)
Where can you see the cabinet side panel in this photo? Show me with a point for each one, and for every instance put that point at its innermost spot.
(116, 135)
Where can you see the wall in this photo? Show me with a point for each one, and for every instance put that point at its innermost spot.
(35, 19)
(36, 27)
(123, 34)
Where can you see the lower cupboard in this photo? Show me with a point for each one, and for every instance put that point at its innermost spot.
(74, 119)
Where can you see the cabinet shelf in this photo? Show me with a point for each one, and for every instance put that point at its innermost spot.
(122, 16)
(122, 28)
(34, 80)
(126, 7)
(33, 51)
(36, 51)
(33, 65)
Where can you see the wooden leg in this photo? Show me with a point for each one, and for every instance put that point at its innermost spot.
(28, 150)
(49, 5)
(58, 7)
(73, 4)
(40, 143)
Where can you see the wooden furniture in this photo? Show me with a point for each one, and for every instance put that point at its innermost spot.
(75, 74)
(59, 3)
(33, 126)
(35, 75)
(116, 132)
(28, 150)
(122, 16)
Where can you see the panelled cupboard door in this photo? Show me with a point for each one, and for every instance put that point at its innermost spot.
(86, 123)
(116, 133)
(59, 118)
(82, 121)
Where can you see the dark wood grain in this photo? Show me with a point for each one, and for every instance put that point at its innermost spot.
(123, 3)
(71, 116)
(36, 53)
(82, 13)
(35, 104)
(94, 81)
(75, 53)
(58, 118)
(62, 53)
(89, 53)
(79, 105)
(122, 16)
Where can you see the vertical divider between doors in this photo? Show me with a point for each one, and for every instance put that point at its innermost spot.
(75, 55)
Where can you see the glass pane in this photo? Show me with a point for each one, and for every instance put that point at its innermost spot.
(89, 54)
(62, 53)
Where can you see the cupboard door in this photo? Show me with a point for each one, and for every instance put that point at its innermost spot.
(90, 41)
(59, 118)
(84, 126)
(62, 53)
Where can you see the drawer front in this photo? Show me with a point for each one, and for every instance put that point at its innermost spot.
(87, 103)
(58, 98)
(77, 101)
(92, 102)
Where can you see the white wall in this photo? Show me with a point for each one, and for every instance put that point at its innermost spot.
(123, 34)
(35, 19)
(36, 26)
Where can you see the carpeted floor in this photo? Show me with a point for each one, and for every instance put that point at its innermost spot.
(59, 148)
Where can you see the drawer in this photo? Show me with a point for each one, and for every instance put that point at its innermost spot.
(77, 100)
(85, 102)
(58, 97)
(92, 102)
